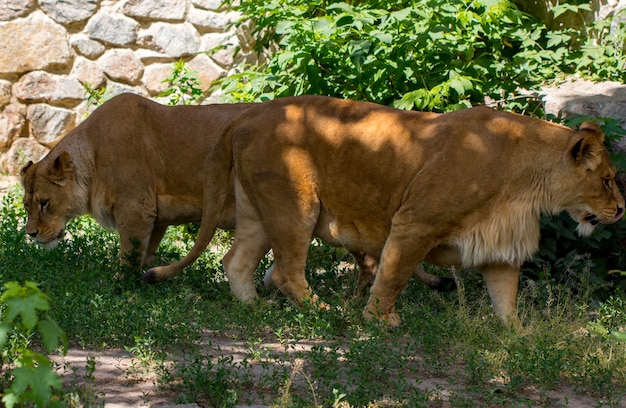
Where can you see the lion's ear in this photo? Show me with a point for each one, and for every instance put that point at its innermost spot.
(26, 167)
(62, 170)
(587, 152)
(594, 129)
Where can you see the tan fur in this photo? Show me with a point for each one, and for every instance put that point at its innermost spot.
(464, 188)
(460, 189)
(137, 167)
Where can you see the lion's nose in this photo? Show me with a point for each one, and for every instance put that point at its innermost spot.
(33, 234)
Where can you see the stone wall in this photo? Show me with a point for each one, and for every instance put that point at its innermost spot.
(49, 47)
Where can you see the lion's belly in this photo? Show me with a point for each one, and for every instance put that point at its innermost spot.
(174, 210)
(354, 235)
(178, 209)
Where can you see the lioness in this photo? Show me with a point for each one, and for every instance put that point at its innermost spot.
(136, 166)
(465, 188)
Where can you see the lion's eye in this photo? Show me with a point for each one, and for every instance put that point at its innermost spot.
(608, 182)
(43, 204)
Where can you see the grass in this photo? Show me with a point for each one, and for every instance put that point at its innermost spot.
(207, 348)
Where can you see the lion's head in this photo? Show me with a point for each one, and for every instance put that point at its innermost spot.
(49, 198)
(597, 199)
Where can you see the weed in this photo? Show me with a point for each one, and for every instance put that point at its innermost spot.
(184, 86)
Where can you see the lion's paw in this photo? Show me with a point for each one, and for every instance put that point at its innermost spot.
(388, 319)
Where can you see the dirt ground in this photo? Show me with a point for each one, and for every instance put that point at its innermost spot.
(115, 383)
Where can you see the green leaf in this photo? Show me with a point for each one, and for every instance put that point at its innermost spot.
(461, 85)
(383, 37)
(563, 8)
(284, 27)
(10, 400)
(344, 20)
(558, 38)
(34, 384)
(618, 336)
(597, 329)
(401, 15)
(323, 26)
(52, 335)
(24, 301)
(346, 8)
(5, 329)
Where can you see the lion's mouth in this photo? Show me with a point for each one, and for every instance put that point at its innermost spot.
(595, 220)
(591, 218)
(49, 243)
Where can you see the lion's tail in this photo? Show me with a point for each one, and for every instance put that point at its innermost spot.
(438, 283)
(215, 194)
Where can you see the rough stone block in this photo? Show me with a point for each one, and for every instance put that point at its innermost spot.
(40, 86)
(86, 46)
(87, 71)
(69, 11)
(49, 124)
(121, 65)
(209, 21)
(12, 9)
(22, 150)
(5, 93)
(176, 40)
(207, 4)
(36, 42)
(111, 28)
(12, 123)
(206, 69)
(173, 10)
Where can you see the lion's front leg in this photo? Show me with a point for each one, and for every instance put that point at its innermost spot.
(400, 257)
(135, 224)
(158, 232)
(133, 247)
(502, 282)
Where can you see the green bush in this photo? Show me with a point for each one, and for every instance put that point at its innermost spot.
(425, 55)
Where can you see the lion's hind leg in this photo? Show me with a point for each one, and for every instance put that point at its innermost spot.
(288, 220)
(290, 244)
(248, 248)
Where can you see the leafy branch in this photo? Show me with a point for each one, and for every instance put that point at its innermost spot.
(32, 377)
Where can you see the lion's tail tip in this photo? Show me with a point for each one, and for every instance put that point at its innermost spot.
(443, 284)
(151, 276)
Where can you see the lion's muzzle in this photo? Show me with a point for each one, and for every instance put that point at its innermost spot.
(44, 239)
(595, 220)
